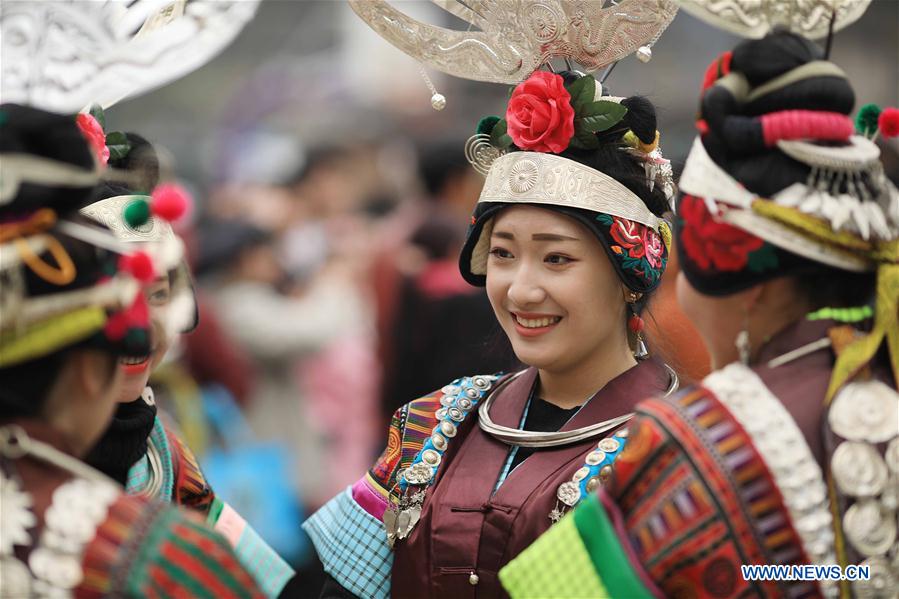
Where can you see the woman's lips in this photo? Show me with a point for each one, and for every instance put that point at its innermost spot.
(135, 365)
(528, 324)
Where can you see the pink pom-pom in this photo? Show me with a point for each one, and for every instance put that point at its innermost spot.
(169, 201)
(888, 122)
(139, 265)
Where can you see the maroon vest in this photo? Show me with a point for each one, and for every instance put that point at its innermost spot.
(466, 533)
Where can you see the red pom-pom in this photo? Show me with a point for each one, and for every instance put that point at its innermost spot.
(702, 126)
(138, 315)
(139, 265)
(888, 122)
(715, 71)
(635, 323)
(116, 326)
(169, 201)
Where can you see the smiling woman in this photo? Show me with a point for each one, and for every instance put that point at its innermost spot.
(569, 239)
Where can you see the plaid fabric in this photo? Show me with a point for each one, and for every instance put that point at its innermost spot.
(556, 565)
(352, 546)
(266, 567)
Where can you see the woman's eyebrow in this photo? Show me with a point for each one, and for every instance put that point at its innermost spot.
(552, 237)
(536, 236)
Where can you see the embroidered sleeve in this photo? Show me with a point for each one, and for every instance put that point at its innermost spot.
(148, 549)
(191, 488)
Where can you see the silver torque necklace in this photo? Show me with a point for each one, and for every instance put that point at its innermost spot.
(523, 438)
(15, 443)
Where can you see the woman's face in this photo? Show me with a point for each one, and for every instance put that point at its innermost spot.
(553, 289)
(136, 371)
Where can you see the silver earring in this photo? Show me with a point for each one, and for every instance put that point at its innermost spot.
(742, 342)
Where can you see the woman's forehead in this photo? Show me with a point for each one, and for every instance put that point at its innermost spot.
(530, 220)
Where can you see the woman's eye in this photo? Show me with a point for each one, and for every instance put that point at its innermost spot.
(500, 253)
(558, 259)
(159, 296)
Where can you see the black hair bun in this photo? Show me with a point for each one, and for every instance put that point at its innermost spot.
(50, 136)
(142, 166)
(735, 139)
(640, 118)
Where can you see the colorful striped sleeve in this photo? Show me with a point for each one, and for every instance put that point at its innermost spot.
(179, 556)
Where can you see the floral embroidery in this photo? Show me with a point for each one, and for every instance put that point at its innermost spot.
(710, 243)
(640, 249)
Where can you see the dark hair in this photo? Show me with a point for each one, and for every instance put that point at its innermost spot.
(733, 142)
(142, 164)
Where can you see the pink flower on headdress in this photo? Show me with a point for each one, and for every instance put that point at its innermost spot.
(540, 116)
(94, 135)
(654, 247)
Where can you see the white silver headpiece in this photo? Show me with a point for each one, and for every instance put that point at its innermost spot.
(755, 18)
(65, 55)
(515, 37)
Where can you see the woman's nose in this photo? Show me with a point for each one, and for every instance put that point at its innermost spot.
(526, 289)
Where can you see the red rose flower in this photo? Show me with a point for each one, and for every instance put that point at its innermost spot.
(654, 247)
(94, 135)
(539, 115)
(709, 242)
(628, 235)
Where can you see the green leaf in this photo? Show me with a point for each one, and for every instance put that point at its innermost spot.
(762, 259)
(498, 136)
(96, 111)
(118, 145)
(599, 116)
(486, 124)
(583, 139)
(582, 93)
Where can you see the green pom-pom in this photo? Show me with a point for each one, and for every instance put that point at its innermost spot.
(137, 213)
(486, 124)
(866, 119)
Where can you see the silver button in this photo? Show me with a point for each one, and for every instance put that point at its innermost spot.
(456, 414)
(430, 457)
(609, 445)
(450, 389)
(473, 579)
(448, 429)
(581, 474)
(472, 393)
(481, 383)
(595, 457)
(465, 403)
(439, 441)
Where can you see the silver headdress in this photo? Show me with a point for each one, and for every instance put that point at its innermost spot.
(755, 18)
(516, 37)
(68, 54)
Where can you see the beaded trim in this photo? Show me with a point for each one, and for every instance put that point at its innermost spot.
(786, 455)
(460, 398)
(595, 472)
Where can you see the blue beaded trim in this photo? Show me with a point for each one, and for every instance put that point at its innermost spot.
(460, 398)
(608, 460)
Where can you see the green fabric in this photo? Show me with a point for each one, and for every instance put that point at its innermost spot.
(556, 565)
(605, 551)
(215, 510)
